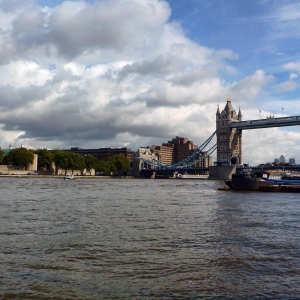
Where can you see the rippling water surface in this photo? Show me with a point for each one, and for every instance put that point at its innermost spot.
(146, 239)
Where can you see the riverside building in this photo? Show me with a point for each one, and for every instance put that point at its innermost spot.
(175, 150)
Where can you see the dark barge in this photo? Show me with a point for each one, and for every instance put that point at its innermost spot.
(261, 181)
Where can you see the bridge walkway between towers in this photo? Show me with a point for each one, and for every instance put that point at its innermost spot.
(174, 170)
(265, 123)
(295, 168)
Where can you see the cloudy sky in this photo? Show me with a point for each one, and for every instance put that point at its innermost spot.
(115, 73)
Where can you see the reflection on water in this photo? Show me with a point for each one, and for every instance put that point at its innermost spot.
(145, 239)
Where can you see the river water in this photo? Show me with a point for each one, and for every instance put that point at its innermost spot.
(146, 239)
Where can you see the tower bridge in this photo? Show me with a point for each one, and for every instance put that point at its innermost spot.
(229, 128)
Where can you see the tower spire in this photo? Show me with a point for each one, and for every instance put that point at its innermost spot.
(240, 114)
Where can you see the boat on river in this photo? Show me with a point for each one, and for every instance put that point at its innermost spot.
(70, 177)
(262, 181)
(247, 180)
(190, 176)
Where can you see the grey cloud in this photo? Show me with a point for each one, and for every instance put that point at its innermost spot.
(117, 102)
(160, 65)
(78, 28)
(159, 98)
(153, 130)
(68, 124)
(63, 75)
(12, 5)
(29, 29)
(74, 97)
(195, 75)
(13, 98)
(62, 123)
(7, 49)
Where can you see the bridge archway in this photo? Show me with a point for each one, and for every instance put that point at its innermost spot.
(234, 161)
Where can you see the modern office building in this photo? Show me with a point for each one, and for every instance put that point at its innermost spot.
(281, 159)
(292, 161)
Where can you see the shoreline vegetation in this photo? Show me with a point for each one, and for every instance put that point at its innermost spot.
(18, 161)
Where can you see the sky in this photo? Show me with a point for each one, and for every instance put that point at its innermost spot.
(135, 73)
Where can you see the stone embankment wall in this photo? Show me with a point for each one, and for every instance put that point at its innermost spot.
(10, 170)
(15, 170)
(6, 169)
(75, 172)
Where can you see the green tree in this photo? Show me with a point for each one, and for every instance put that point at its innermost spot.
(2, 154)
(61, 160)
(104, 166)
(19, 157)
(120, 162)
(68, 161)
(80, 163)
(75, 162)
(71, 161)
(45, 158)
(7, 159)
(91, 162)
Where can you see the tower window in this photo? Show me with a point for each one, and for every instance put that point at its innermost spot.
(223, 157)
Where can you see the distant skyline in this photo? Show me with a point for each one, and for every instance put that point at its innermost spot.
(131, 73)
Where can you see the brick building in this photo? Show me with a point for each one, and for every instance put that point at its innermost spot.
(164, 153)
(175, 150)
(182, 148)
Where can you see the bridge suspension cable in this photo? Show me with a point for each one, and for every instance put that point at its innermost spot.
(189, 161)
(194, 158)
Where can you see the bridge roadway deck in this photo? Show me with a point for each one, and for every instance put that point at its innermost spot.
(174, 170)
(243, 169)
(261, 168)
(265, 123)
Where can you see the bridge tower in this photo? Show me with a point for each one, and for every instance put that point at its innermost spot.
(229, 140)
